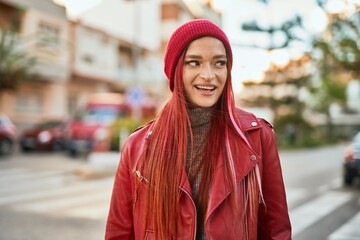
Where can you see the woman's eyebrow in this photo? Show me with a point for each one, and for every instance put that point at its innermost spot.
(220, 56)
(193, 56)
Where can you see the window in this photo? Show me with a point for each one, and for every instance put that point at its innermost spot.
(48, 37)
(29, 102)
(125, 56)
(87, 58)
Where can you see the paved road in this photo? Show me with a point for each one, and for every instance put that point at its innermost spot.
(320, 207)
(42, 196)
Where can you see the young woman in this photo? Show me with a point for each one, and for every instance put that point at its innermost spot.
(203, 169)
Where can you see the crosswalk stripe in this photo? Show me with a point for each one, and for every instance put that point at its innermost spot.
(26, 176)
(98, 211)
(35, 194)
(349, 231)
(62, 203)
(9, 171)
(41, 183)
(335, 183)
(294, 195)
(307, 214)
(55, 192)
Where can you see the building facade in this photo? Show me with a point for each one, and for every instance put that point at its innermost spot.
(41, 28)
(115, 46)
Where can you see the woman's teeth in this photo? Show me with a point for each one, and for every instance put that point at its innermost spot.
(208, 88)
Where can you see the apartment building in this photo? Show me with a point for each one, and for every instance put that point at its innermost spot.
(113, 46)
(116, 46)
(119, 45)
(42, 31)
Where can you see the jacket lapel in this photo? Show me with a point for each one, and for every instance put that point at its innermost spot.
(244, 157)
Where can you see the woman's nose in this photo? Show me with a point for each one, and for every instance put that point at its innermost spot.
(207, 72)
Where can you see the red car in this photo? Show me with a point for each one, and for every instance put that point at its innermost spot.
(48, 135)
(351, 164)
(7, 135)
(89, 129)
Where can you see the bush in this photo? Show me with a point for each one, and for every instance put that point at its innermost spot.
(121, 129)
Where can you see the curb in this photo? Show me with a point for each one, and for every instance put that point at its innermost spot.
(99, 165)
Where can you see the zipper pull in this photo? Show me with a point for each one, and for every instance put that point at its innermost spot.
(148, 134)
(139, 175)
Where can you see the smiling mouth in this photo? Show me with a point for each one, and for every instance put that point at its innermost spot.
(205, 88)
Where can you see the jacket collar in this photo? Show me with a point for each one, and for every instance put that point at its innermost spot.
(243, 164)
(244, 161)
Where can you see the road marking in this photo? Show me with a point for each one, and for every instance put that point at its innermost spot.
(37, 194)
(294, 195)
(304, 216)
(27, 175)
(30, 184)
(98, 211)
(59, 204)
(335, 183)
(349, 231)
(9, 171)
(55, 192)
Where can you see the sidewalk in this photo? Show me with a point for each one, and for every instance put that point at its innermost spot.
(99, 164)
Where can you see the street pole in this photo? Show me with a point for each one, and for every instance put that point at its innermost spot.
(136, 54)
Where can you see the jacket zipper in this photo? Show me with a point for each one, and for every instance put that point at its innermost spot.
(194, 208)
(141, 178)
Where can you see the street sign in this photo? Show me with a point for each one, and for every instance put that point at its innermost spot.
(135, 96)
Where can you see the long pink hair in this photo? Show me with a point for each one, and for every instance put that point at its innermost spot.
(164, 158)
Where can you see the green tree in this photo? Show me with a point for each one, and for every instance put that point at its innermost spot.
(336, 56)
(287, 108)
(16, 65)
(285, 28)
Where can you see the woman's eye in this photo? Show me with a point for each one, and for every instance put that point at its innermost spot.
(220, 63)
(193, 63)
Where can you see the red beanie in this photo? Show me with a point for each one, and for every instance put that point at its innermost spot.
(183, 36)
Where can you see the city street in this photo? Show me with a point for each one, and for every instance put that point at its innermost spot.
(320, 207)
(46, 196)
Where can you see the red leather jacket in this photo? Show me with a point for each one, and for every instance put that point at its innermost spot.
(126, 215)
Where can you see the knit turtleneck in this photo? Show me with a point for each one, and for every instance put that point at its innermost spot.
(200, 125)
(200, 119)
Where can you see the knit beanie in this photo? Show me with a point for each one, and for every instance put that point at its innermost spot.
(183, 36)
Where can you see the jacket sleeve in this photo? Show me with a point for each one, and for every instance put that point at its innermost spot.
(273, 221)
(120, 219)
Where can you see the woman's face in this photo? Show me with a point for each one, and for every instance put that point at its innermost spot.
(205, 71)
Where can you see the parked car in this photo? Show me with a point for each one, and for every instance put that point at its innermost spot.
(90, 128)
(44, 136)
(7, 135)
(351, 165)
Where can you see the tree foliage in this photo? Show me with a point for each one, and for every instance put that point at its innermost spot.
(16, 65)
(289, 80)
(286, 28)
(337, 58)
(340, 46)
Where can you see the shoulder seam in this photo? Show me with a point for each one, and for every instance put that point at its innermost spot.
(266, 122)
